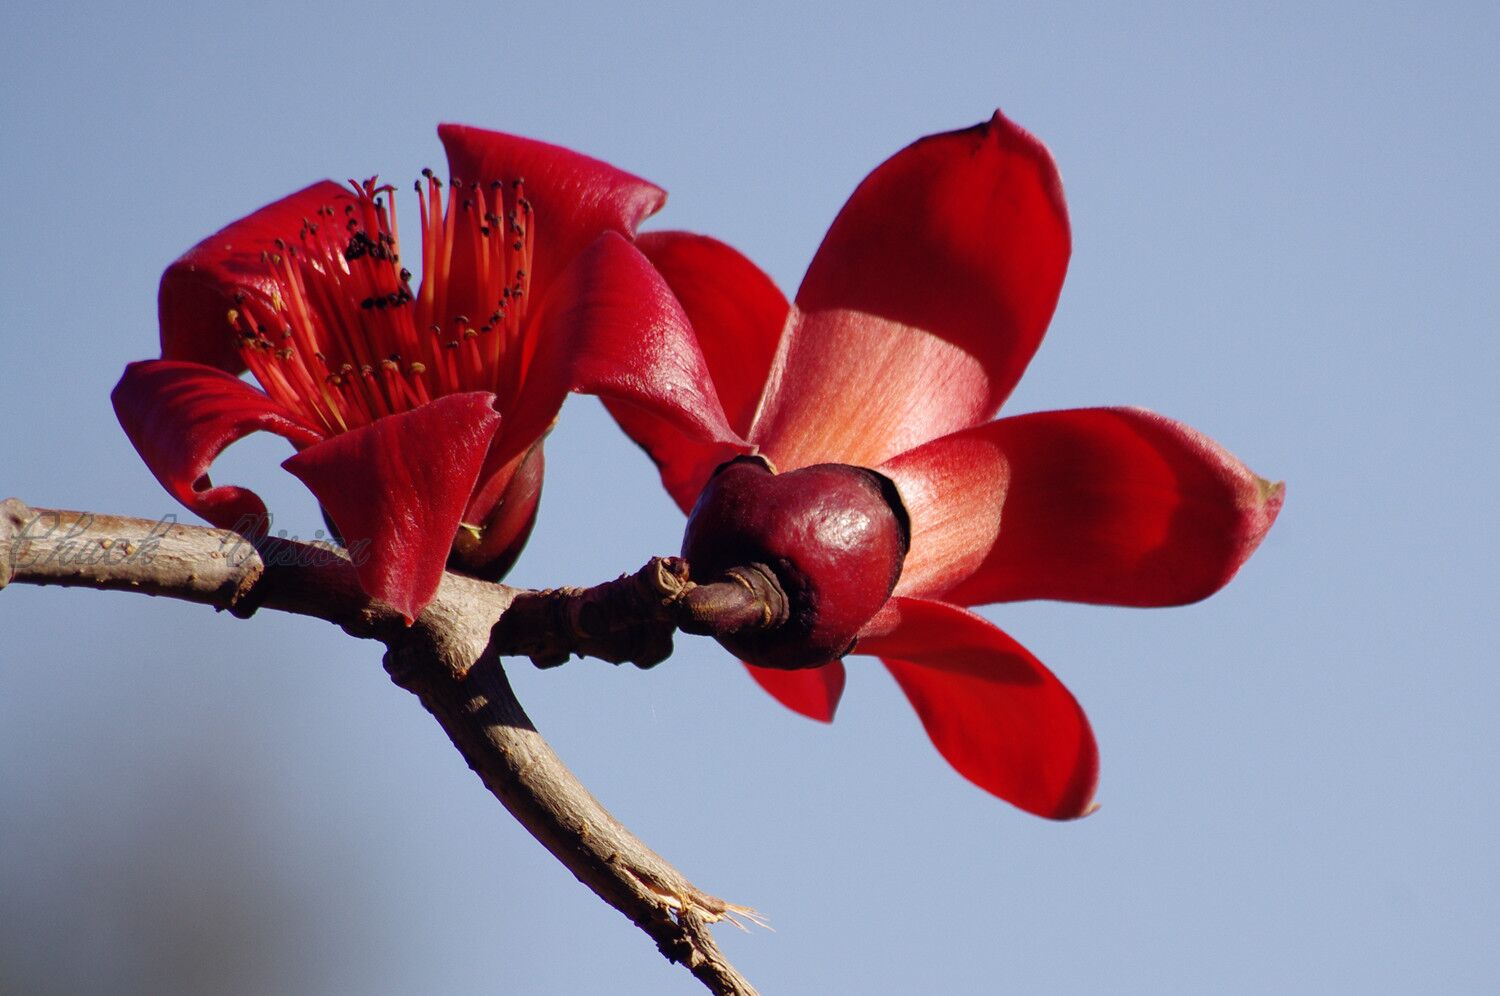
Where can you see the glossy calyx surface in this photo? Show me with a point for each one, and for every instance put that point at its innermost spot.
(832, 535)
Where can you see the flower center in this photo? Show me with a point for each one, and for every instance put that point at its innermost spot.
(338, 335)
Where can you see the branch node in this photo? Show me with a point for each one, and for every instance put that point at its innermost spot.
(621, 621)
(632, 618)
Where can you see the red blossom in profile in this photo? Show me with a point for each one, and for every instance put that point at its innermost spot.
(417, 410)
(916, 318)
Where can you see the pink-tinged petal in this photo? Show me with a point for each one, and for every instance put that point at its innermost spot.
(396, 489)
(199, 289)
(964, 234)
(813, 691)
(180, 416)
(1110, 505)
(736, 312)
(613, 328)
(574, 198)
(992, 710)
(849, 387)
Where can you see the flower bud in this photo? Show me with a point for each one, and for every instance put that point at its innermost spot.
(832, 536)
(498, 521)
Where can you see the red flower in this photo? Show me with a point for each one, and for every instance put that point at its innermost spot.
(417, 412)
(919, 313)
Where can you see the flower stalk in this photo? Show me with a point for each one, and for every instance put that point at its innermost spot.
(630, 620)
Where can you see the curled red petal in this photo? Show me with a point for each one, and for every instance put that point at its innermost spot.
(964, 234)
(684, 459)
(612, 328)
(736, 312)
(992, 709)
(813, 691)
(396, 490)
(180, 416)
(575, 198)
(737, 316)
(1109, 505)
(199, 289)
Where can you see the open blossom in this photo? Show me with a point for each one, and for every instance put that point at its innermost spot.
(916, 318)
(417, 409)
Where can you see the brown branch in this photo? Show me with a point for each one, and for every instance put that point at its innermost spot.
(632, 618)
(448, 659)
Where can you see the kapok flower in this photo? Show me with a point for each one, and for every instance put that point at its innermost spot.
(417, 411)
(876, 390)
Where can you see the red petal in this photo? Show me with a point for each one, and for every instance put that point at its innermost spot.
(813, 691)
(964, 234)
(574, 198)
(999, 717)
(198, 290)
(396, 489)
(737, 315)
(613, 328)
(853, 388)
(684, 459)
(736, 312)
(180, 416)
(1112, 505)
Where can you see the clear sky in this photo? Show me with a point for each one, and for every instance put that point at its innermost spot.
(1285, 225)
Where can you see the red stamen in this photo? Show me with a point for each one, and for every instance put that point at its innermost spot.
(341, 338)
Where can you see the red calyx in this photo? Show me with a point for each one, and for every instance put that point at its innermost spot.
(832, 536)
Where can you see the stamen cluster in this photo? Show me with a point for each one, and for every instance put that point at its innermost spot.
(337, 334)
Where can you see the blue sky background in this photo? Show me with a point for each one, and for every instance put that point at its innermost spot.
(1285, 225)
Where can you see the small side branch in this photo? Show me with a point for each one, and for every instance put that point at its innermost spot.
(632, 618)
(448, 659)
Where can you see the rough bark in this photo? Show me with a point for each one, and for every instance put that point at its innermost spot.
(450, 659)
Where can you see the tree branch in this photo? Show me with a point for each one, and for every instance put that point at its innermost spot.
(448, 659)
(632, 618)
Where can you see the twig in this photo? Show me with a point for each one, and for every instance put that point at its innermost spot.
(632, 618)
(448, 659)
